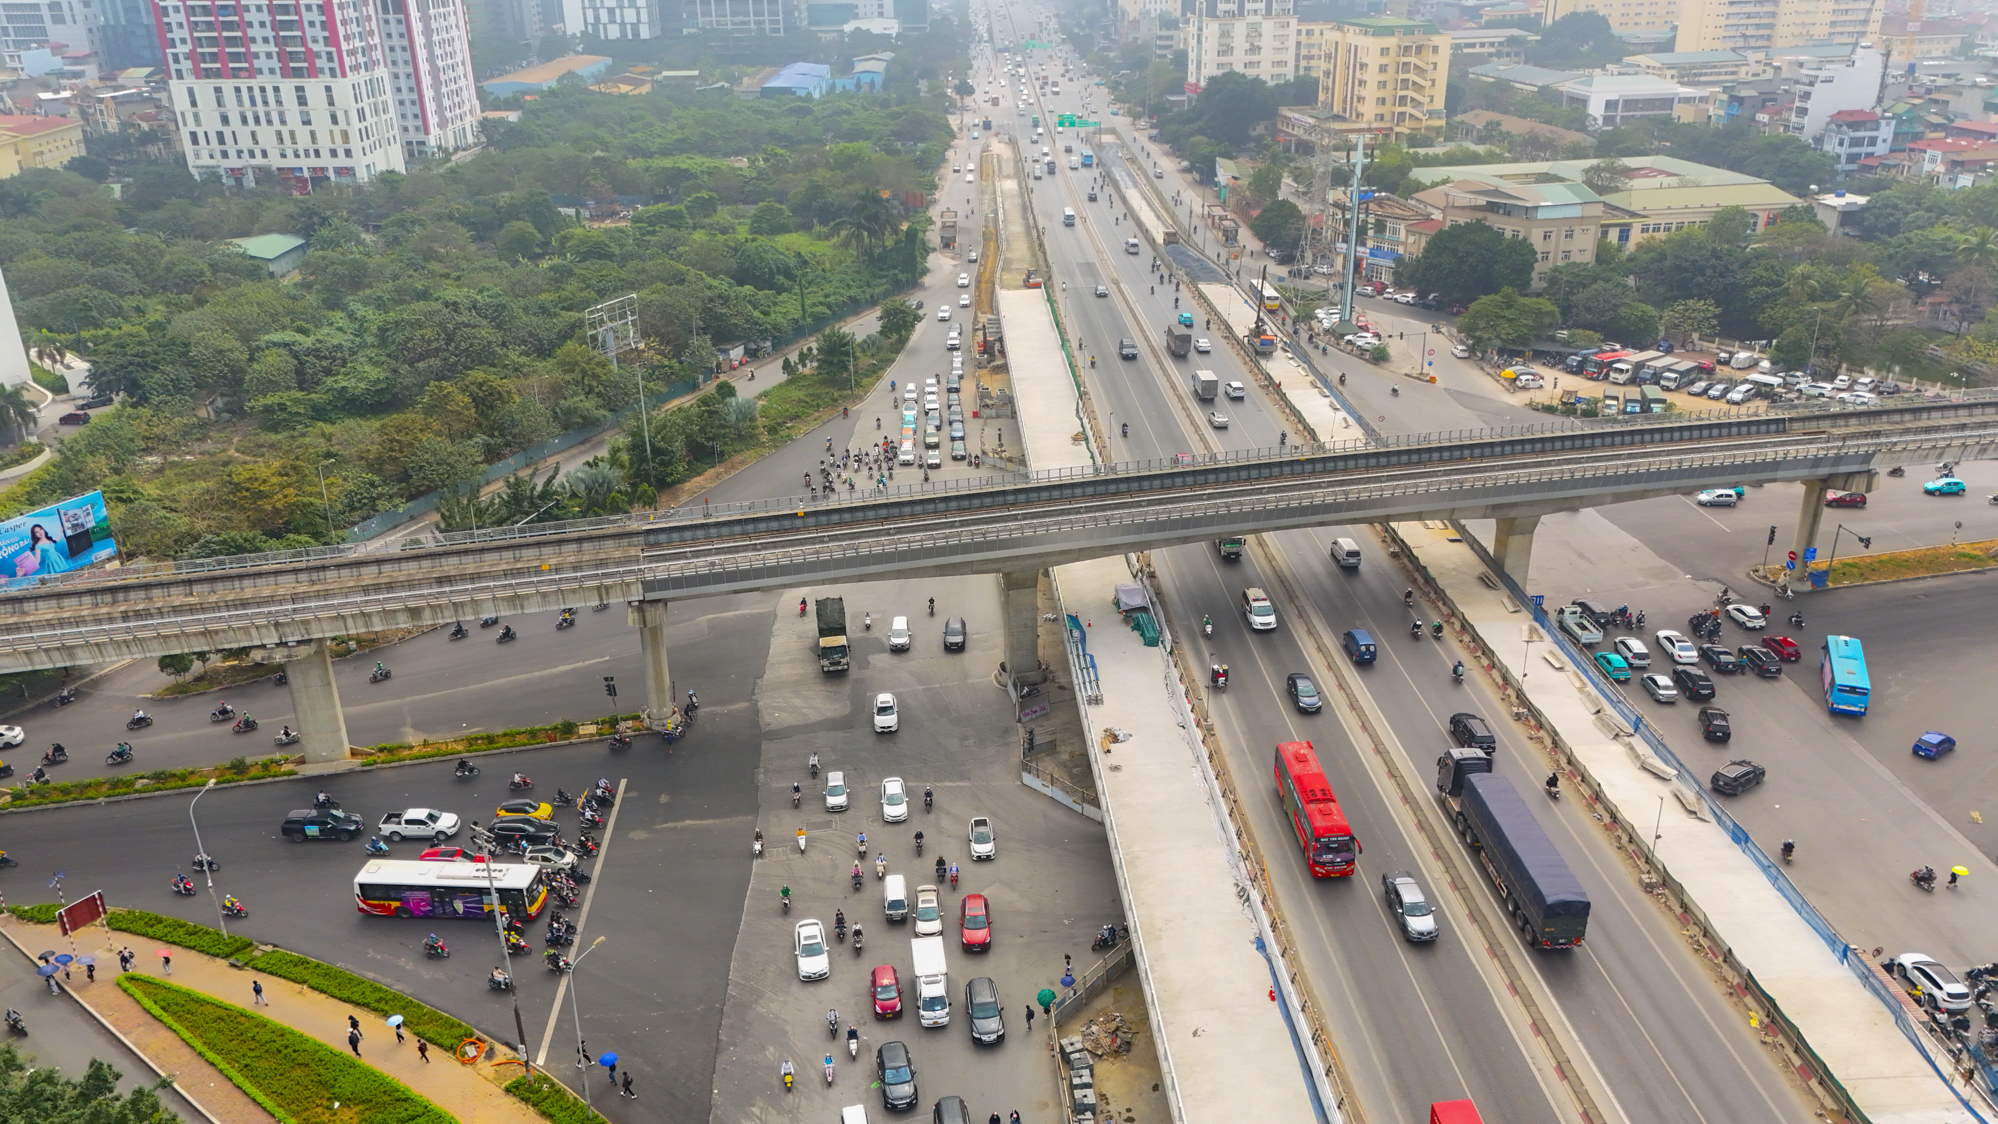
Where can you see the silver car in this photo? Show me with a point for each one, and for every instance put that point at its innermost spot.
(1412, 910)
(984, 844)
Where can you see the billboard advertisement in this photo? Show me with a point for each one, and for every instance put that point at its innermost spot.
(56, 539)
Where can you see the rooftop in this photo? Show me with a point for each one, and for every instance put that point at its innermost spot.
(1389, 25)
(546, 73)
(1654, 182)
(1688, 58)
(1526, 75)
(1620, 83)
(268, 247)
(23, 125)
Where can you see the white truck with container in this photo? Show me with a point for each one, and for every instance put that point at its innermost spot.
(932, 981)
(1205, 385)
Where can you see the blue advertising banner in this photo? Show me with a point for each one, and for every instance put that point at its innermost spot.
(55, 540)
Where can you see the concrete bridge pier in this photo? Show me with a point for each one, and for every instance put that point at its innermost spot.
(1023, 626)
(322, 726)
(1512, 544)
(649, 617)
(1810, 519)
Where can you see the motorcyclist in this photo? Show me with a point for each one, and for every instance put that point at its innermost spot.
(138, 716)
(1415, 628)
(464, 765)
(1408, 596)
(499, 978)
(919, 839)
(287, 732)
(378, 664)
(38, 776)
(928, 797)
(324, 799)
(1554, 782)
(1926, 876)
(519, 780)
(1127, 429)
(1457, 669)
(953, 874)
(229, 902)
(1789, 849)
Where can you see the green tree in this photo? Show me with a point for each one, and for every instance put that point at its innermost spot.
(964, 88)
(17, 413)
(1688, 320)
(1471, 260)
(898, 319)
(1636, 322)
(770, 219)
(1506, 319)
(1279, 225)
(1576, 41)
(517, 239)
(834, 354)
(1266, 182)
(177, 665)
(1607, 176)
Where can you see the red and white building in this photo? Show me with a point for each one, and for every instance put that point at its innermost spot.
(313, 91)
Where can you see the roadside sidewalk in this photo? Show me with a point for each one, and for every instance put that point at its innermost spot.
(471, 1093)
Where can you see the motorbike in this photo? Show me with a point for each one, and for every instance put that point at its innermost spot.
(1436, 630)
(280, 679)
(15, 1024)
(852, 1042)
(1924, 878)
(285, 739)
(1218, 676)
(858, 880)
(1797, 619)
(203, 862)
(323, 801)
(222, 713)
(501, 982)
(801, 840)
(7, 860)
(604, 792)
(1457, 673)
(243, 726)
(867, 621)
(139, 723)
(919, 844)
(488, 622)
(65, 697)
(787, 1080)
(56, 755)
(520, 782)
(620, 741)
(590, 818)
(856, 939)
(756, 848)
(1789, 849)
(232, 907)
(564, 621)
(1553, 786)
(119, 756)
(378, 675)
(585, 847)
(6, 770)
(1415, 629)
(832, 1022)
(517, 945)
(829, 1069)
(1207, 626)
(1106, 937)
(881, 867)
(1897, 470)
(459, 631)
(813, 765)
(465, 769)
(555, 961)
(183, 885)
(506, 634)
(375, 846)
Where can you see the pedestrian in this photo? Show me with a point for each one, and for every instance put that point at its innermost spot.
(1015, 1118)
(1030, 1018)
(354, 1040)
(257, 991)
(1067, 962)
(1952, 885)
(625, 1089)
(166, 963)
(125, 958)
(353, 1023)
(90, 972)
(423, 1050)
(398, 1034)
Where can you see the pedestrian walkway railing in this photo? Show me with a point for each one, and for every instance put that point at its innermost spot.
(1073, 796)
(1082, 664)
(1093, 980)
(1850, 956)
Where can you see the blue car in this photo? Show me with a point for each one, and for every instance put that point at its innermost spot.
(1613, 666)
(1933, 745)
(1944, 486)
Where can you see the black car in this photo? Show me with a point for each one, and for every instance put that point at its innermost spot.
(1761, 661)
(981, 1003)
(1713, 724)
(1127, 348)
(1693, 683)
(1720, 658)
(1736, 777)
(898, 1075)
(1594, 610)
(533, 832)
(1471, 732)
(1303, 692)
(321, 823)
(950, 1110)
(96, 402)
(954, 634)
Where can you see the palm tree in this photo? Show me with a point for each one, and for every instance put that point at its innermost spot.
(867, 226)
(1857, 295)
(1801, 285)
(18, 414)
(1977, 250)
(597, 488)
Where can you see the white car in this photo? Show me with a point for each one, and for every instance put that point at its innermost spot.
(837, 798)
(1717, 497)
(1678, 647)
(1201, 345)
(898, 634)
(551, 858)
(1460, 352)
(1236, 391)
(929, 916)
(964, 280)
(11, 736)
(964, 300)
(894, 800)
(418, 823)
(1747, 616)
(886, 720)
(1218, 421)
(943, 312)
(972, 177)
(984, 844)
(808, 940)
(1633, 651)
(1857, 398)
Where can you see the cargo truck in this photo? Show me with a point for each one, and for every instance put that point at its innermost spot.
(1541, 894)
(833, 651)
(1205, 385)
(1230, 547)
(932, 981)
(1179, 339)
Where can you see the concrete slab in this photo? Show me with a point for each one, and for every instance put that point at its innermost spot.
(1045, 399)
(1848, 1026)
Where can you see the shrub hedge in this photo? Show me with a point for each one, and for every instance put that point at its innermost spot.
(294, 1076)
(551, 1099)
(162, 780)
(172, 930)
(43, 914)
(428, 1023)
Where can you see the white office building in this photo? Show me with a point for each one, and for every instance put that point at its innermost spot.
(1255, 37)
(317, 90)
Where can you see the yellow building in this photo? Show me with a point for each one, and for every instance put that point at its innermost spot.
(1759, 25)
(1383, 75)
(37, 142)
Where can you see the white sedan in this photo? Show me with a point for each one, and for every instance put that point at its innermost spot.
(1678, 647)
(964, 300)
(1716, 497)
(943, 312)
(984, 844)
(886, 720)
(894, 800)
(1218, 421)
(1236, 391)
(808, 940)
(11, 736)
(1201, 344)
(970, 177)
(929, 916)
(1747, 616)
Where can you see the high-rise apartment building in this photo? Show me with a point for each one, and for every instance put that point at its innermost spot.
(1253, 37)
(1624, 15)
(1756, 25)
(315, 90)
(615, 19)
(1383, 75)
(738, 17)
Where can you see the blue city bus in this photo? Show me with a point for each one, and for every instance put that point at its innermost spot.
(1847, 687)
(1088, 158)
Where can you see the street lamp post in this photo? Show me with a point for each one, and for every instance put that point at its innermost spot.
(506, 955)
(575, 1013)
(207, 869)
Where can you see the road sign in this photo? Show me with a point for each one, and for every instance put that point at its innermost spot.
(1791, 564)
(1793, 556)
(1810, 554)
(1432, 351)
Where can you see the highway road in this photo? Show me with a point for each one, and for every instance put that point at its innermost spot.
(63, 1035)
(1412, 1025)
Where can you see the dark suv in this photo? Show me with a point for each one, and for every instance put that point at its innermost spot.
(1736, 777)
(321, 823)
(1471, 732)
(1693, 682)
(1127, 348)
(1713, 724)
(897, 1073)
(1760, 660)
(1594, 610)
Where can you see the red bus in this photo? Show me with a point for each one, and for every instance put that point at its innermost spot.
(1329, 847)
(1595, 365)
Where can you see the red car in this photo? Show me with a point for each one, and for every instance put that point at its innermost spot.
(451, 855)
(977, 922)
(1845, 499)
(887, 992)
(1456, 310)
(1785, 648)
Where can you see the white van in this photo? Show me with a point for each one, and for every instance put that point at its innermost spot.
(1346, 553)
(895, 897)
(1130, 245)
(1768, 384)
(1743, 360)
(853, 1114)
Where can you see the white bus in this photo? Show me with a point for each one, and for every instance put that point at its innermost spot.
(405, 888)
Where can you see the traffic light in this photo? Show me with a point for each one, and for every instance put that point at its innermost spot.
(1772, 534)
(610, 685)
(1865, 541)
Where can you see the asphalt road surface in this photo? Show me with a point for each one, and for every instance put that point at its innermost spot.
(63, 1035)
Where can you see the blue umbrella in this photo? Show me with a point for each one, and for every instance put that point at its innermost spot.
(395, 1020)
(47, 970)
(65, 958)
(608, 1061)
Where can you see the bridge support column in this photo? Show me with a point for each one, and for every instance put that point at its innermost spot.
(649, 617)
(1512, 545)
(316, 701)
(1810, 518)
(1023, 626)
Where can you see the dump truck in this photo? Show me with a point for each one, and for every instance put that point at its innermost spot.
(1544, 898)
(834, 654)
(1205, 385)
(1179, 339)
(1230, 547)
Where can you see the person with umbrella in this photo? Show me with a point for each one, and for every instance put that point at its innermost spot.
(396, 1022)
(1046, 999)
